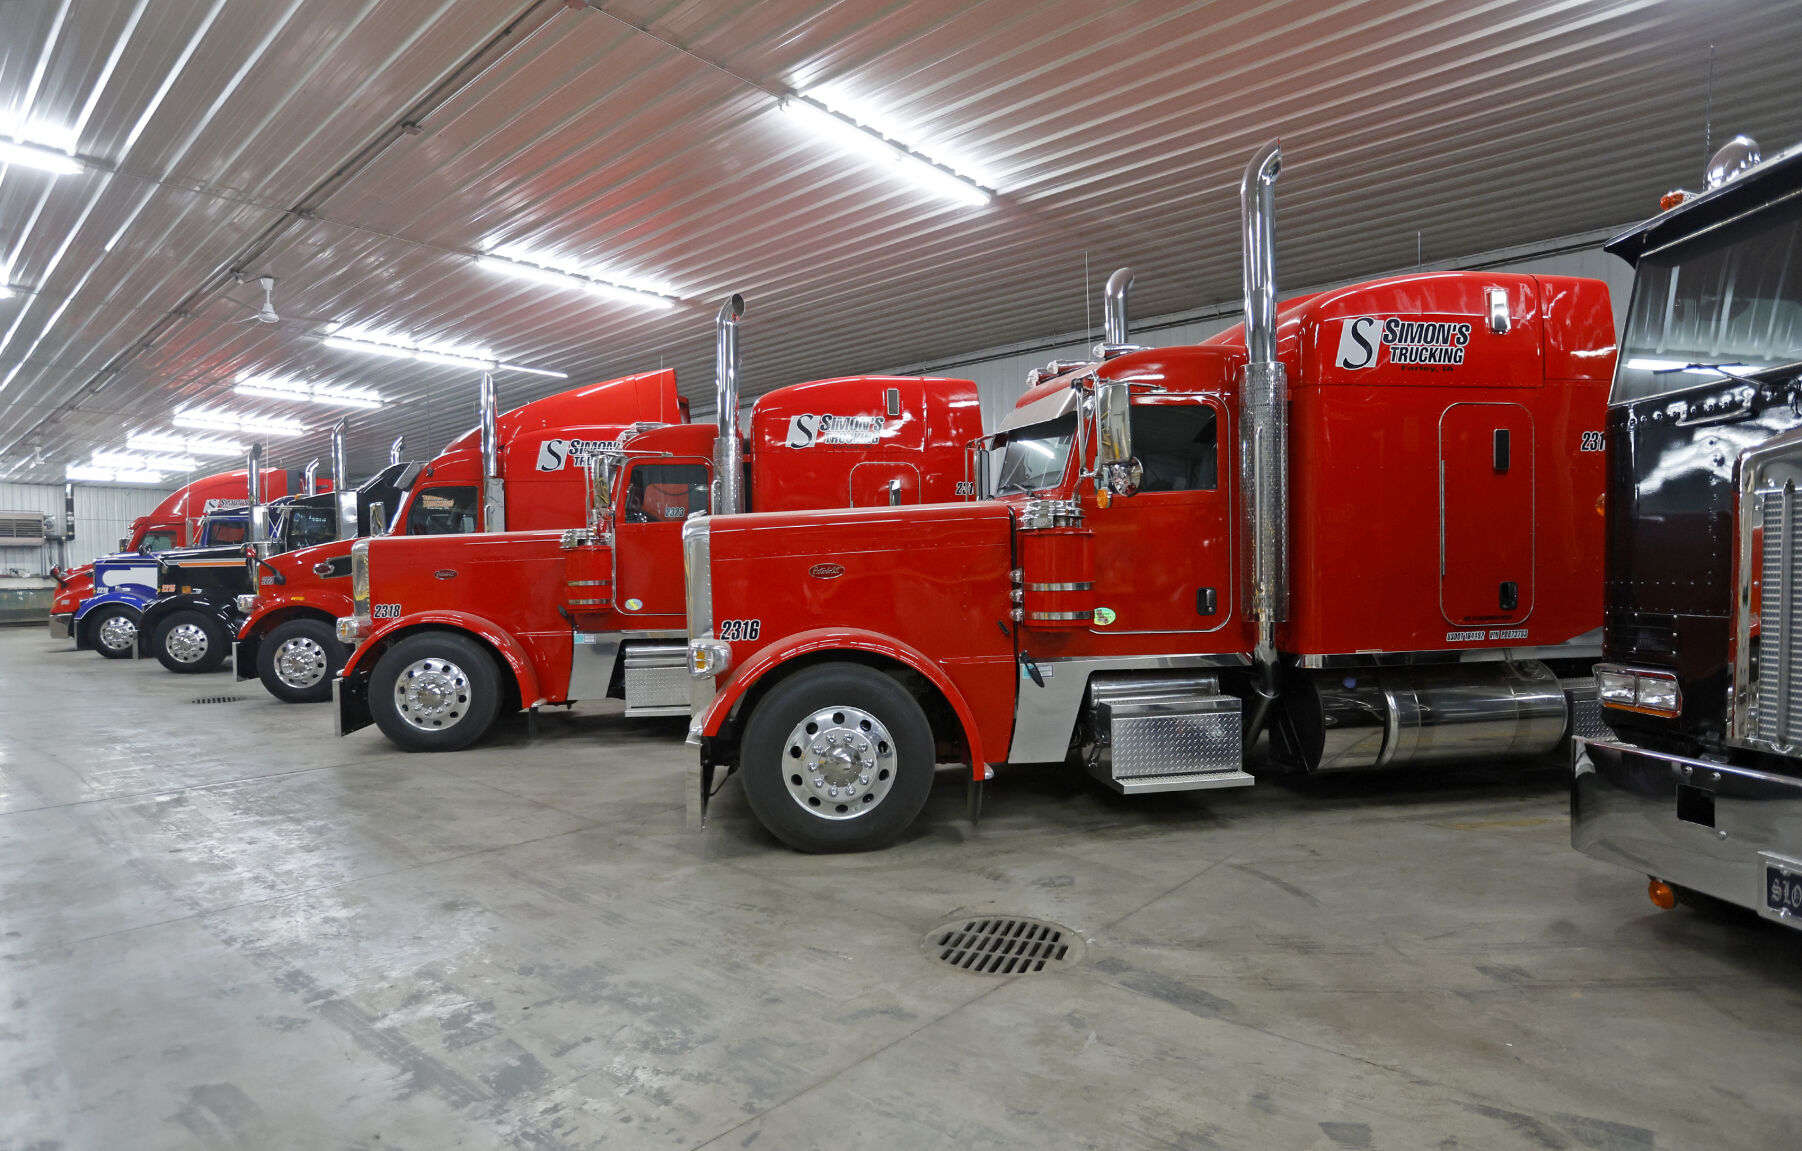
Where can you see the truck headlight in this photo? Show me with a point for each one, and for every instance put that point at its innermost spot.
(708, 657)
(352, 629)
(1638, 689)
(247, 603)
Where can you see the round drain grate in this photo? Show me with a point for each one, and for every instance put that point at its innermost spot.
(218, 699)
(1004, 945)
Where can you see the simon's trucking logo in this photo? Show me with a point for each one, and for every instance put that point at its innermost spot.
(1364, 341)
(554, 455)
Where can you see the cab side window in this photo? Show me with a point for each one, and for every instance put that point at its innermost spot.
(1178, 445)
(665, 493)
(308, 526)
(449, 510)
(227, 532)
(157, 542)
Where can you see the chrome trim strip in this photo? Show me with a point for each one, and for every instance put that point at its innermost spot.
(1081, 585)
(697, 571)
(1050, 615)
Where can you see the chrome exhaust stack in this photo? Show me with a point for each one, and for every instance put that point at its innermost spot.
(395, 448)
(343, 495)
(494, 493)
(258, 531)
(340, 474)
(312, 477)
(1263, 430)
(1115, 339)
(728, 457)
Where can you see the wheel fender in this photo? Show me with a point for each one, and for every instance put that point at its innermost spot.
(767, 659)
(272, 614)
(524, 674)
(135, 603)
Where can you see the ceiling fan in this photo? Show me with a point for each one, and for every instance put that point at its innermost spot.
(265, 314)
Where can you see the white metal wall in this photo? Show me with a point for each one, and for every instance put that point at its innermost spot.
(1000, 373)
(102, 515)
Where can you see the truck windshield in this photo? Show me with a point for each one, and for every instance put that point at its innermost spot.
(157, 542)
(1721, 305)
(307, 525)
(1034, 457)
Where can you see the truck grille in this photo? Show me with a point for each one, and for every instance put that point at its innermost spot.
(1776, 719)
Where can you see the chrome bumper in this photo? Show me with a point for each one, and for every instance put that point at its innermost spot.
(61, 624)
(1711, 827)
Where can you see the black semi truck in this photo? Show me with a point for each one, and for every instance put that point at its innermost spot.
(1701, 787)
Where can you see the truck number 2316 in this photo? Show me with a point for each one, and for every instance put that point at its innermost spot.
(1592, 442)
(740, 629)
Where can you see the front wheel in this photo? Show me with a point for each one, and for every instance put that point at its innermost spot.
(190, 642)
(436, 691)
(837, 758)
(297, 660)
(114, 630)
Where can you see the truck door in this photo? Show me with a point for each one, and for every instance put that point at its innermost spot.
(657, 496)
(1485, 514)
(1163, 557)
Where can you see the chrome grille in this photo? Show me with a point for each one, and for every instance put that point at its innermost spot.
(1778, 676)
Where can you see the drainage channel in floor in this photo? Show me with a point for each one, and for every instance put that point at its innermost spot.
(218, 699)
(1004, 945)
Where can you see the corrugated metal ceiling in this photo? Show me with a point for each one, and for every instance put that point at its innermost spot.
(267, 138)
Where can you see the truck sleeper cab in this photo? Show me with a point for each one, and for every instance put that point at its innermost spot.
(1700, 787)
(453, 629)
(108, 620)
(1179, 558)
(288, 637)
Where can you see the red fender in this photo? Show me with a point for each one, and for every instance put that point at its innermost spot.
(268, 605)
(844, 639)
(498, 638)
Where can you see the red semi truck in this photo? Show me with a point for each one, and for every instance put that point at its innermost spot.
(1365, 522)
(171, 524)
(451, 628)
(521, 467)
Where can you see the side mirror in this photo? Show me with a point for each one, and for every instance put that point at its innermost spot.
(1117, 470)
(378, 518)
(124, 543)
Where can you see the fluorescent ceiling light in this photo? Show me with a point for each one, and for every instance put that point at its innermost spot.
(453, 355)
(305, 392)
(274, 426)
(525, 266)
(32, 156)
(97, 475)
(182, 445)
(144, 462)
(867, 142)
(5, 291)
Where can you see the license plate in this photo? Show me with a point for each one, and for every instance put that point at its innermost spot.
(1782, 890)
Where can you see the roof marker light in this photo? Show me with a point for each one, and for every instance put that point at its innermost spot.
(866, 141)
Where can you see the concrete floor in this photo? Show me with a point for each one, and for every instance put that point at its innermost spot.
(224, 928)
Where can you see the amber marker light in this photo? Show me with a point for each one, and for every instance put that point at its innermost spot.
(1671, 199)
(1602, 504)
(1661, 894)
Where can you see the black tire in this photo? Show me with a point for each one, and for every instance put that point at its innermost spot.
(199, 641)
(467, 702)
(99, 617)
(795, 805)
(298, 659)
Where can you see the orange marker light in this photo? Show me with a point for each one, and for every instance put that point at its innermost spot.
(1671, 199)
(1602, 504)
(1661, 894)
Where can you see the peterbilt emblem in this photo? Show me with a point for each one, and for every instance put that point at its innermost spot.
(445, 573)
(826, 571)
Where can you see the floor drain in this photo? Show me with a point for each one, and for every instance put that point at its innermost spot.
(218, 699)
(1004, 945)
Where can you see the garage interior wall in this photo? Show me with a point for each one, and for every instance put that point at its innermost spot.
(102, 515)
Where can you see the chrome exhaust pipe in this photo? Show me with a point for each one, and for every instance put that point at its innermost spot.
(312, 476)
(253, 494)
(494, 495)
(1263, 430)
(395, 448)
(1115, 340)
(340, 474)
(728, 457)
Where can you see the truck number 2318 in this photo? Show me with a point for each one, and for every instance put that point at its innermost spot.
(1592, 442)
(740, 629)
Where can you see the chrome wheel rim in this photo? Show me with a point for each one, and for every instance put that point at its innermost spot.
(432, 694)
(839, 763)
(186, 643)
(301, 662)
(117, 633)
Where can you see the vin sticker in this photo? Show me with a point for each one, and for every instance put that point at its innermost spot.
(740, 629)
(1507, 633)
(385, 611)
